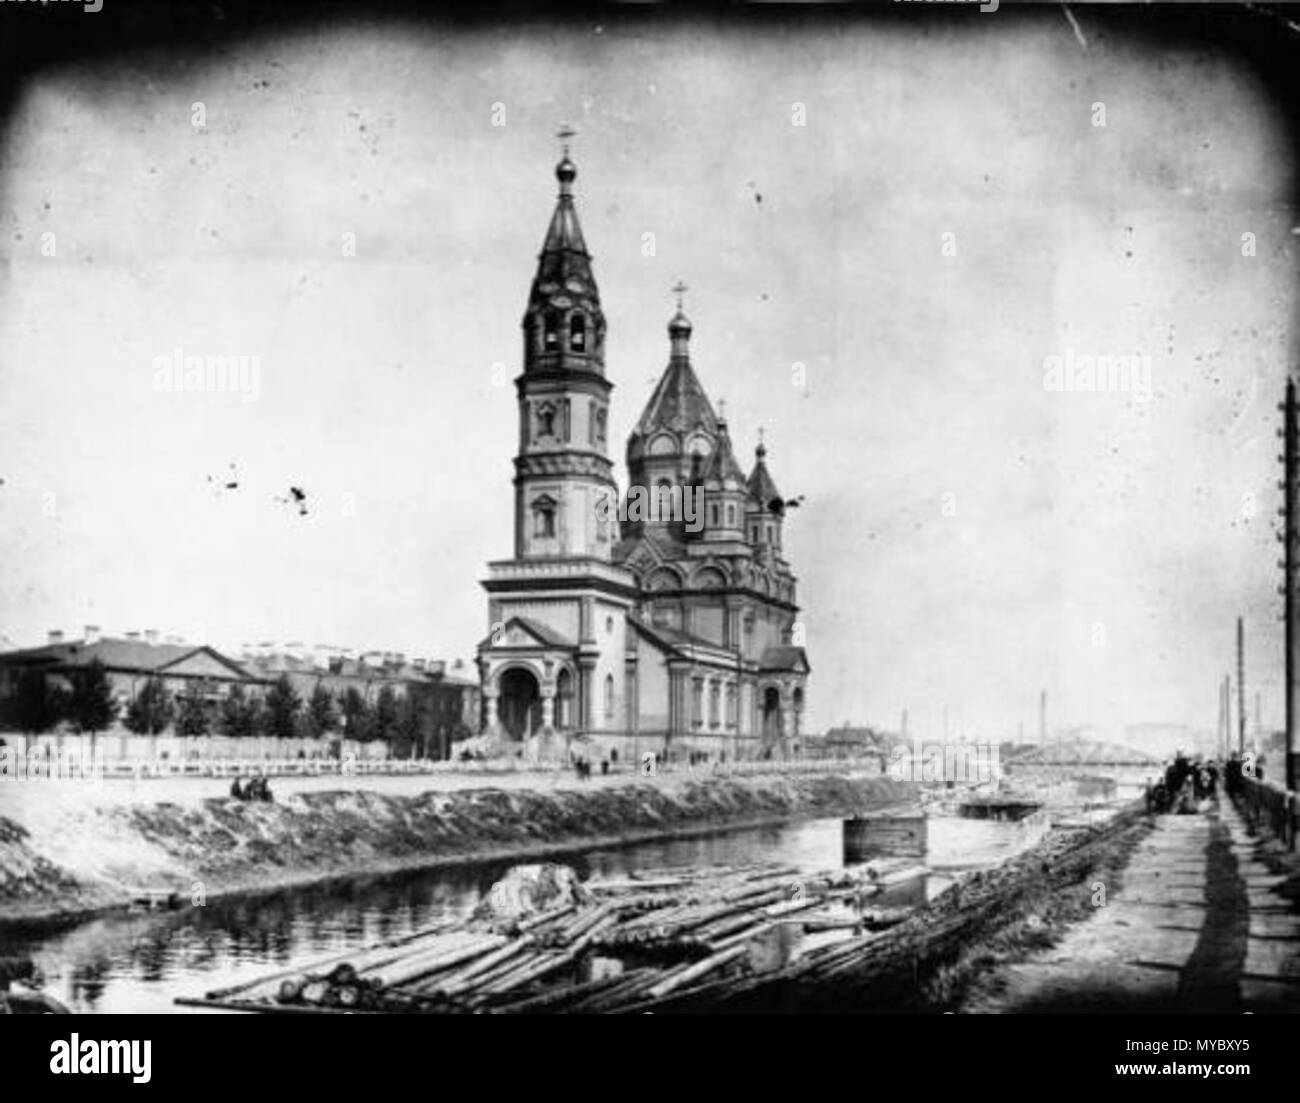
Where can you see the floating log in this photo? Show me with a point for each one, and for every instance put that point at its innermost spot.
(700, 969)
(421, 965)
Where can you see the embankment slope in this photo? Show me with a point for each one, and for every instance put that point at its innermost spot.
(66, 854)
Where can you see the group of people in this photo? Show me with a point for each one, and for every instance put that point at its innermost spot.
(582, 767)
(255, 788)
(1187, 782)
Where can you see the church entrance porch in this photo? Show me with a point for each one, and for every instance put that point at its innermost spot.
(520, 704)
(771, 716)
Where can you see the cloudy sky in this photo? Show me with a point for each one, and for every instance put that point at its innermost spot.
(968, 536)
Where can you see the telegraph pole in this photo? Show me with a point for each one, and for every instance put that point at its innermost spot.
(1241, 688)
(1290, 453)
(1225, 728)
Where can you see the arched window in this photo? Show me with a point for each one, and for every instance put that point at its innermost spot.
(609, 697)
(544, 517)
(578, 333)
(550, 330)
(713, 515)
(731, 516)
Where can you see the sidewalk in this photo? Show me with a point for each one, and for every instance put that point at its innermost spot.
(1195, 928)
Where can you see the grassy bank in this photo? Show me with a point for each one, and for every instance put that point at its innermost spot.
(92, 851)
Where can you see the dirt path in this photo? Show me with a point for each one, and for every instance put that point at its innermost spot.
(1196, 928)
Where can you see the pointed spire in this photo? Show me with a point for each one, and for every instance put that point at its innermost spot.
(722, 466)
(564, 326)
(762, 488)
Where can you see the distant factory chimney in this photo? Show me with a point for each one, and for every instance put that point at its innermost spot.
(55, 636)
(1042, 717)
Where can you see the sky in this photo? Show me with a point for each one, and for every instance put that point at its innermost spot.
(886, 232)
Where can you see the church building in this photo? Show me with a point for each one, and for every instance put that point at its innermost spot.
(663, 620)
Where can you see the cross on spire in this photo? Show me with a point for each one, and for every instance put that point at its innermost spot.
(679, 289)
(564, 134)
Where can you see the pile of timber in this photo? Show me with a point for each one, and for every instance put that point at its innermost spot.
(886, 968)
(643, 940)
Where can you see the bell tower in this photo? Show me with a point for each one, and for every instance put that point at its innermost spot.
(554, 662)
(565, 494)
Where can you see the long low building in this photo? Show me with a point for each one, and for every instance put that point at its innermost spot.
(450, 700)
(129, 663)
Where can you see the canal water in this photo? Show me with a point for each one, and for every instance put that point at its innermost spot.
(140, 962)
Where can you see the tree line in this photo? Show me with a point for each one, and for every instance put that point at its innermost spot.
(36, 704)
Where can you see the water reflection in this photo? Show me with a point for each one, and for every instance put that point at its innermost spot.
(138, 963)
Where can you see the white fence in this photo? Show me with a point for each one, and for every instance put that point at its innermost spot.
(74, 759)
(117, 748)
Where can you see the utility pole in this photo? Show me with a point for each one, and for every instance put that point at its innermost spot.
(1221, 726)
(1241, 688)
(1290, 454)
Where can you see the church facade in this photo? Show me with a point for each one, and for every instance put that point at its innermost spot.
(662, 620)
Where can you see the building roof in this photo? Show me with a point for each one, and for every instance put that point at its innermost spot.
(673, 639)
(762, 488)
(856, 737)
(678, 403)
(119, 654)
(722, 466)
(543, 633)
(548, 635)
(784, 658)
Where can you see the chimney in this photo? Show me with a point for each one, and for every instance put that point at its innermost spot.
(418, 664)
(55, 636)
(151, 636)
(133, 636)
(92, 633)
